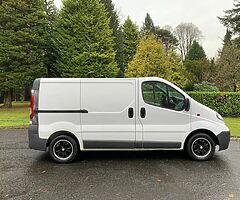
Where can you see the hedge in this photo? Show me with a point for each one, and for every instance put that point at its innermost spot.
(225, 103)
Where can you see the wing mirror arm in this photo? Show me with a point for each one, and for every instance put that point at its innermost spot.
(187, 104)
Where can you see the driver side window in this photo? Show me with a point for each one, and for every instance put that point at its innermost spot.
(162, 95)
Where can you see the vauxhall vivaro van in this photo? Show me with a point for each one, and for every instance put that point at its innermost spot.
(71, 115)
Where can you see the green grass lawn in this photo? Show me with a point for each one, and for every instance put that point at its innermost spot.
(234, 125)
(18, 117)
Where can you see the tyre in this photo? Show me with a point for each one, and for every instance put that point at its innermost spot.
(63, 149)
(200, 147)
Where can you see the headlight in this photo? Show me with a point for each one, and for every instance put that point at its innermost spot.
(219, 116)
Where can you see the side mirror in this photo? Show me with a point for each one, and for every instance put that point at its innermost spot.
(187, 104)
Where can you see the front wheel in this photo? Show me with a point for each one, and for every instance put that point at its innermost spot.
(63, 149)
(200, 147)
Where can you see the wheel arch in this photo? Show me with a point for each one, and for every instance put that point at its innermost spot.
(206, 131)
(58, 133)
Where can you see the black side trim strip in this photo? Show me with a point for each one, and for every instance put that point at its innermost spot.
(108, 144)
(167, 145)
(61, 111)
(129, 145)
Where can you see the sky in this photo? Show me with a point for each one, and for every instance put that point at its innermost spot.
(202, 13)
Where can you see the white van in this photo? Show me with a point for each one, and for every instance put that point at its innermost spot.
(71, 115)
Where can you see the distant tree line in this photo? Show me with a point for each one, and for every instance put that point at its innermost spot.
(86, 39)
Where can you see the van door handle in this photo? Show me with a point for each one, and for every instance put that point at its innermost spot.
(143, 112)
(83, 111)
(130, 112)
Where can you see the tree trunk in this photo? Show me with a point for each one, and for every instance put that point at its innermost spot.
(27, 93)
(7, 103)
(235, 88)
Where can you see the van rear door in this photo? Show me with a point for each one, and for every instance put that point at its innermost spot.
(111, 112)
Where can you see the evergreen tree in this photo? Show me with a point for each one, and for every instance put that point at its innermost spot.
(130, 41)
(227, 38)
(166, 37)
(117, 33)
(22, 36)
(84, 40)
(228, 68)
(196, 52)
(50, 56)
(231, 18)
(197, 64)
(148, 26)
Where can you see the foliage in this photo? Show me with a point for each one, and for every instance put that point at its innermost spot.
(50, 56)
(227, 38)
(22, 36)
(148, 26)
(225, 103)
(177, 73)
(205, 86)
(228, 68)
(166, 37)
(130, 41)
(197, 65)
(196, 52)
(186, 34)
(231, 18)
(151, 60)
(116, 32)
(84, 40)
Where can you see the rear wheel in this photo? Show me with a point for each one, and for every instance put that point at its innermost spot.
(200, 147)
(63, 149)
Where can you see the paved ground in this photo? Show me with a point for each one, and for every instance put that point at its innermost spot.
(29, 174)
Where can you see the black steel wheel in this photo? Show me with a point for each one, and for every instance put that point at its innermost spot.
(63, 149)
(200, 147)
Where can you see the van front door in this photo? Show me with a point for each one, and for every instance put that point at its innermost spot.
(164, 121)
(110, 119)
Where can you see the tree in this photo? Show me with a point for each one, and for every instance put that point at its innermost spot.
(22, 36)
(130, 41)
(228, 68)
(151, 60)
(166, 37)
(84, 40)
(197, 64)
(50, 56)
(148, 26)
(196, 52)
(186, 33)
(116, 32)
(231, 18)
(227, 38)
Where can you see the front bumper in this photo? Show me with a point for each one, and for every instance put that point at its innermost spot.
(34, 141)
(224, 140)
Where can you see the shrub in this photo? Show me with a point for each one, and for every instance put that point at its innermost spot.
(225, 103)
(205, 86)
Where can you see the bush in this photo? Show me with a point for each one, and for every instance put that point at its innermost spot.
(205, 86)
(225, 103)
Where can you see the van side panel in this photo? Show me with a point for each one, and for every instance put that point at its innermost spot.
(107, 123)
(59, 106)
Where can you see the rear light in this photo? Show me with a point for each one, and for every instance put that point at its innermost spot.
(32, 108)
